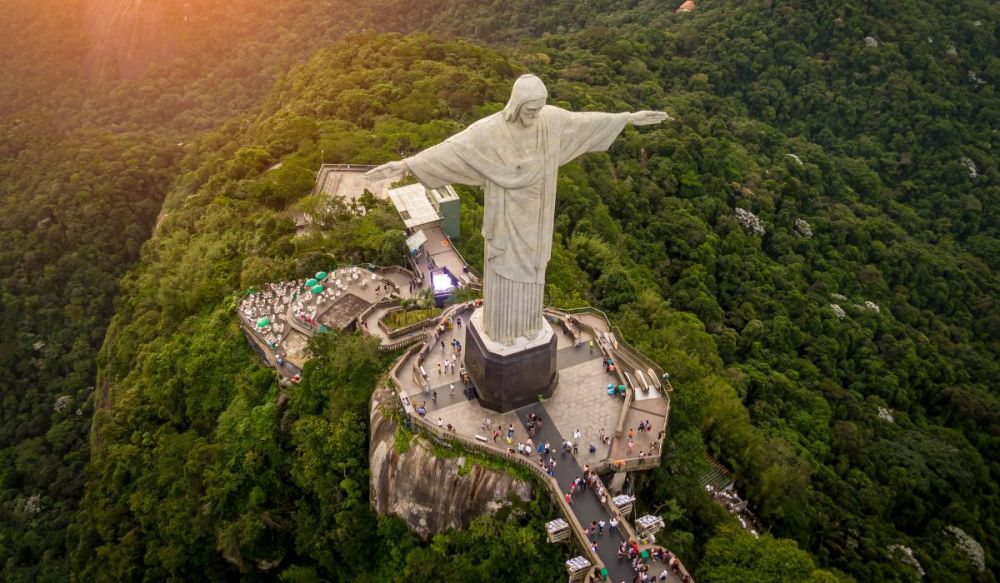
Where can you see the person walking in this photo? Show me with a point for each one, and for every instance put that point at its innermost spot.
(613, 525)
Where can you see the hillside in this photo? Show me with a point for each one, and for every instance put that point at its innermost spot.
(834, 341)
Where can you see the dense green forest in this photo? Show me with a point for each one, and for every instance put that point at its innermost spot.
(811, 251)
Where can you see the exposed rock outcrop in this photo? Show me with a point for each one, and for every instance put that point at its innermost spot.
(430, 493)
(127, 35)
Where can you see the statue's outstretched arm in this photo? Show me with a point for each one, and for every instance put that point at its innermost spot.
(390, 170)
(645, 118)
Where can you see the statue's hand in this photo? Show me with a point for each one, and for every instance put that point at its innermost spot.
(388, 171)
(645, 118)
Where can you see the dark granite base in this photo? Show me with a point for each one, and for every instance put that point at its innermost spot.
(506, 382)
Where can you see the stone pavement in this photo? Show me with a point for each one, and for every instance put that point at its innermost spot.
(652, 410)
(581, 401)
(586, 506)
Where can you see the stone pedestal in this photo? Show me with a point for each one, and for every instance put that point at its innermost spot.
(508, 377)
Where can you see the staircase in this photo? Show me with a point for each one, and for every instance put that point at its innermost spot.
(716, 476)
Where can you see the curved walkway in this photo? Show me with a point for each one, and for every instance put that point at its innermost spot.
(586, 507)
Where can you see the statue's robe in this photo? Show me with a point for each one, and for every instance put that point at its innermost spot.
(520, 194)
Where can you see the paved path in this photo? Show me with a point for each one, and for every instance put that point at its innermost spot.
(371, 325)
(586, 506)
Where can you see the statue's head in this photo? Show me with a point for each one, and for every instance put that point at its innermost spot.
(526, 100)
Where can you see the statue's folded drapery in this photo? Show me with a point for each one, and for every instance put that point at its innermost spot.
(520, 193)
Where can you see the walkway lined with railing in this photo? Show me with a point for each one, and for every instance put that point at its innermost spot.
(585, 507)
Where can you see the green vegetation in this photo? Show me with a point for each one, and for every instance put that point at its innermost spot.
(413, 311)
(402, 318)
(851, 428)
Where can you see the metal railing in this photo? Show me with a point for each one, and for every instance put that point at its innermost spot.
(619, 337)
(550, 483)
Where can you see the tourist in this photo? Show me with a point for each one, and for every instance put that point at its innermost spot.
(613, 525)
(451, 391)
(440, 423)
(434, 396)
(600, 527)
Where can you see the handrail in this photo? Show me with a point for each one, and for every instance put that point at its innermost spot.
(681, 568)
(376, 306)
(616, 330)
(395, 333)
(395, 368)
(403, 342)
(552, 485)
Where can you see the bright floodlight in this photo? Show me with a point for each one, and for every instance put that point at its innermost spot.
(441, 282)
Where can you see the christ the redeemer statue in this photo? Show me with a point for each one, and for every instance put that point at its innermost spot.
(515, 156)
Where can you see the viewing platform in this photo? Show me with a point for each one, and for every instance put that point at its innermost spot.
(606, 391)
(595, 424)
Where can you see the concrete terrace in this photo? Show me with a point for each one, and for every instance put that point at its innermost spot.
(580, 406)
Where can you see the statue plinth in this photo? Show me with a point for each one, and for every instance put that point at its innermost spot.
(510, 376)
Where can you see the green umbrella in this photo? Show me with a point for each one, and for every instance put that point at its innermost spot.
(317, 289)
(321, 276)
(311, 282)
(263, 322)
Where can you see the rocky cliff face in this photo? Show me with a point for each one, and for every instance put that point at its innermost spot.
(426, 491)
(127, 35)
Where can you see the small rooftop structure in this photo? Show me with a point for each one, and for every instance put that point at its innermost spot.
(414, 206)
(578, 567)
(414, 241)
(558, 530)
(348, 181)
(687, 6)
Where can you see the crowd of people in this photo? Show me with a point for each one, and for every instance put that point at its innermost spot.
(643, 566)
(271, 303)
(277, 299)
